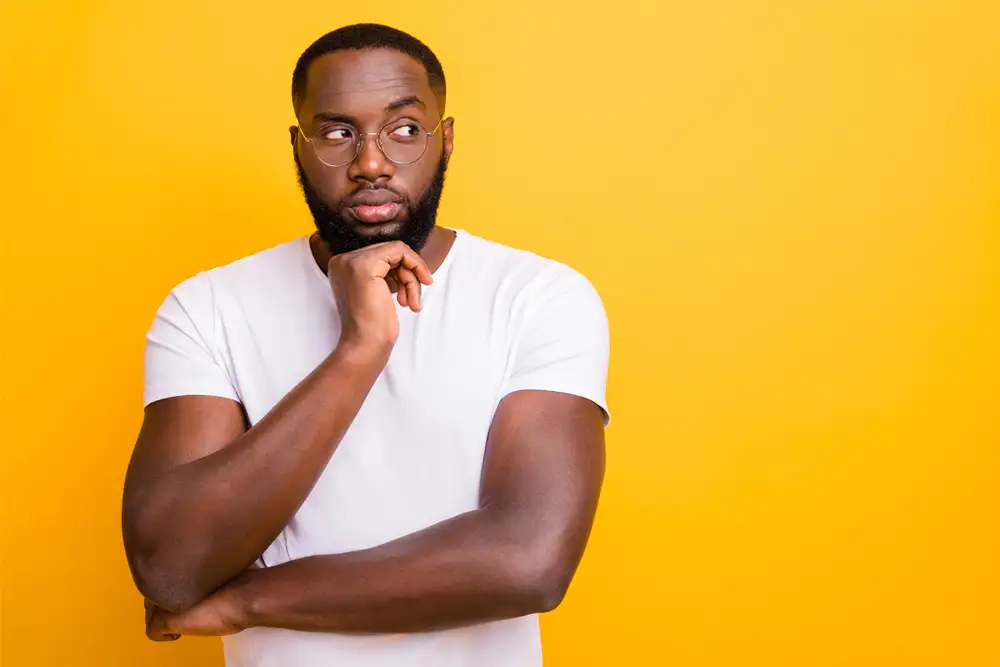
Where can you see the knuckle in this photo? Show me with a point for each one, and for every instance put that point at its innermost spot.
(355, 262)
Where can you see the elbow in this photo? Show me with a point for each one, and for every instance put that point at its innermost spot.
(550, 592)
(162, 574)
(539, 566)
(544, 582)
(167, 592)
(172, 600)
(163, 585)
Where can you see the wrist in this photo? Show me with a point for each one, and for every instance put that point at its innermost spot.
(363, 350)
(238, 602)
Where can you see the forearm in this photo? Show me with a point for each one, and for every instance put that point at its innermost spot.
(206, 521)
(478, 567)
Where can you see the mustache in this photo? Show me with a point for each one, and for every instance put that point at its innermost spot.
(373, 194)
(366, 187)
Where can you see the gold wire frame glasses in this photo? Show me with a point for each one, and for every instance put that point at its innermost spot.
(400, 141)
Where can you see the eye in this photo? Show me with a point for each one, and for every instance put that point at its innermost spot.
(336, 134)
(408, 131)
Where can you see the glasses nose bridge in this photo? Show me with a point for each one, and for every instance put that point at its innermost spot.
(378, 144)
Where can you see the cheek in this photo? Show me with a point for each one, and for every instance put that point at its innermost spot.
(413, 182)
(331, 184)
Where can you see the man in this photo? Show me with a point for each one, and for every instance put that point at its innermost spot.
(382, 444)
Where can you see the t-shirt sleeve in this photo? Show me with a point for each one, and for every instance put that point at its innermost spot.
(562, 341)
(180, 357)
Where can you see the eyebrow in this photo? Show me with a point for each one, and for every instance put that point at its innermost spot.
(409, 101)
(395, 105)
(335, 117)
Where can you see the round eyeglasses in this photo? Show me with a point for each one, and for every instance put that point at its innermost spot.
(401, 142)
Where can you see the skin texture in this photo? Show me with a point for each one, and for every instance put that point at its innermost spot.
(205, 495)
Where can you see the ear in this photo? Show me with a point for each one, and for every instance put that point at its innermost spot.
(292, 131)
(448, 128)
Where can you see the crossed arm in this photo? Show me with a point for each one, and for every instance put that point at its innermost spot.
(204, 497)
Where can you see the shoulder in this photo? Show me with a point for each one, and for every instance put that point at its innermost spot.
(258, 273)
(528, 276)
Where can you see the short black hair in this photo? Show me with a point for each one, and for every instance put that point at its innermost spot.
(368, 36)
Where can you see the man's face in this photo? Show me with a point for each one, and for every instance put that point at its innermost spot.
(371, 199)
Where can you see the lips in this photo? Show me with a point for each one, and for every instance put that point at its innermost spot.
(374, 206)
(375, 214)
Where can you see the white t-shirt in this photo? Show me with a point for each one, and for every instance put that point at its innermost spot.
(496, 320)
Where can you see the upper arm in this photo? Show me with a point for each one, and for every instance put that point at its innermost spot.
(179, 430)
(175, 432)
(545, 451)
(543, 471)
(192, 407)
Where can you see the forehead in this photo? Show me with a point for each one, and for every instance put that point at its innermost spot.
(362, 82)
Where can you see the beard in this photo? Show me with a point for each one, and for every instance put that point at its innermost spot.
(342, 236)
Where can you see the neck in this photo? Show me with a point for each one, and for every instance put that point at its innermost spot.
(438, 246)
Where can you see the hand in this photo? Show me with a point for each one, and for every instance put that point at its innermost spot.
(361, 285)
(217, 615)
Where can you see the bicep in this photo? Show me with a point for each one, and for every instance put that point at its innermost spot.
(544, 467)
(192, 406)
(176, 431)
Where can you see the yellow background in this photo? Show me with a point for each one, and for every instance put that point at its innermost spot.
(791, 209)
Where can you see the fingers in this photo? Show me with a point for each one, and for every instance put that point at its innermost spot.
(409, 286)
(411, 272)
(396, 284)
(389, 255)
(398, 254)
(394, 287)
(399, 265)
(405, 270)
(156, 625)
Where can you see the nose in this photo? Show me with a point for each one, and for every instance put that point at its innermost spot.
(371, 163)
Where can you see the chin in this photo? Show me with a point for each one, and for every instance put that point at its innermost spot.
(392, 228)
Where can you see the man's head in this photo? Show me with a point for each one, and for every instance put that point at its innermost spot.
(372, 144)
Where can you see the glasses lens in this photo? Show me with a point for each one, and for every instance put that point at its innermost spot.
(336, 146)
(403, 141)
